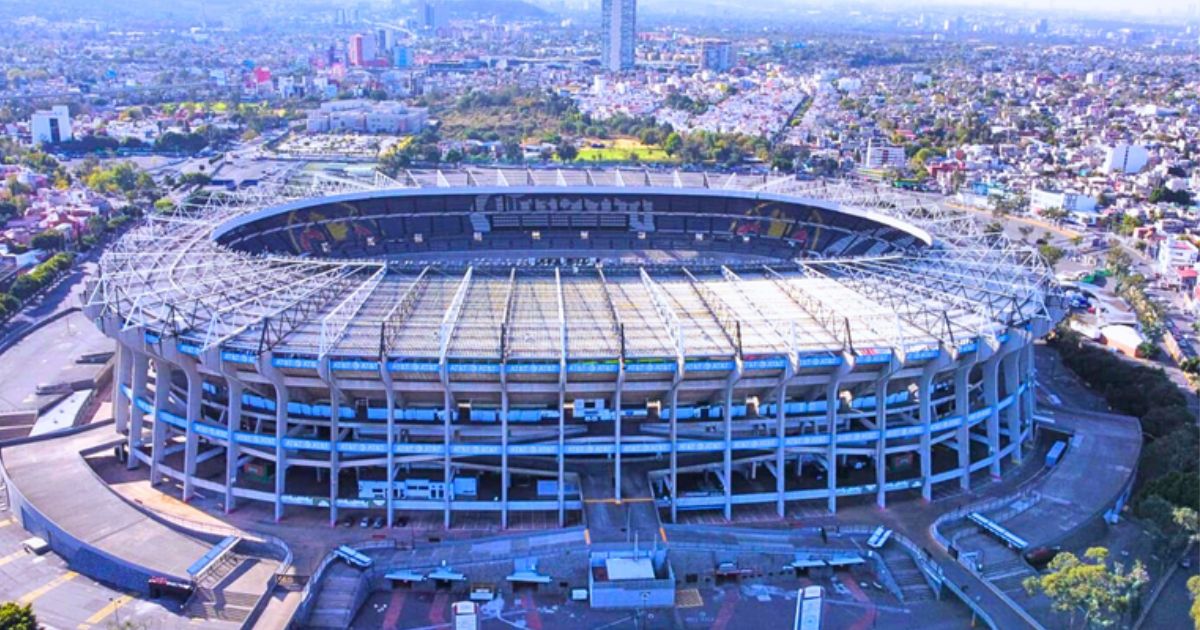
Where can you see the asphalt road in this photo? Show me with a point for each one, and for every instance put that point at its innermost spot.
(1171, 608)
(62, 598)
(48, 355)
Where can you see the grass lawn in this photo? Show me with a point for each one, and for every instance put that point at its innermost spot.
(622, 150)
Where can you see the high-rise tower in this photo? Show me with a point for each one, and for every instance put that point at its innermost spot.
(618, 34)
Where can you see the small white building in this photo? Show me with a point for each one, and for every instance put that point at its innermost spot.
(51, 126)
(366, 117)
(1174, 253)
(850, 85)
(1042, 200)
(884, 156)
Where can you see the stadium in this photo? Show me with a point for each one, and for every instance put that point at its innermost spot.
(515, 342)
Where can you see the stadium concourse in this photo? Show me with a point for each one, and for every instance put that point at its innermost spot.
(487, 341)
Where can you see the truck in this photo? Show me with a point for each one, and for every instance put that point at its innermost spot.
(466, 615)
(1055, 453)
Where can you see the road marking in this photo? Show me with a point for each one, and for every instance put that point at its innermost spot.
(533, 620)
(437, 610)
(37, 593)
(107, 610)
(587, 537)
(725, 613)
(8, 521)
(662, 532)
(12, 556)
(868, 619)
(392, 619)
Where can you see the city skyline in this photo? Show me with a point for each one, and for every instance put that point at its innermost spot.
(599, 314)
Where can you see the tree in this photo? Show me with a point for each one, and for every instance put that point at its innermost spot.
(1117, 260)
(1189, 521)
(164, 206)
(50, 240)
(1158, 511)
(1102, 592)
(673, 144)
(1129, 223)
(1054, 214)
(513, 152)
(17, 617)
(1193, 586)
(1179, 487)
(1163, 194)
(1160, 421)
(1051, 254)
(567, 151)
(919, 160)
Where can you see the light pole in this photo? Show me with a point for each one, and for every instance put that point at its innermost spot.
(116, 609)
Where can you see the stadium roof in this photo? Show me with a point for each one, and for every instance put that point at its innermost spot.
(169, 276)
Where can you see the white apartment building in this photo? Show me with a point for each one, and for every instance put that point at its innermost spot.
(51, 126)
(1174, 253)
(1071, 202)
(885, 156)
(1125, 158)
(366, 117)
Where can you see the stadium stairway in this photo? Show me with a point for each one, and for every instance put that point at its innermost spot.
(213, 600)
(209, 605)
(337, 602)
(908, 576)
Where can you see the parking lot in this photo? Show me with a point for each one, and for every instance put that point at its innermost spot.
(63, 599)
(851, 601)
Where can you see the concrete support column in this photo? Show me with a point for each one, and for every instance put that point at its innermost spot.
(162, 396)
(991, 398)
(780, 449)
(881, 411)
(727, 469)
(233, 417)
(831, 464)
(447, 470)
(674, 452)
(962, 408)
(504, 480)
(1029, 373)
(191, 449)
(335, 461)
(1012, 413)
(562, 444)
(390, 395)
(925, 414)
(122, 381)
(281, 458)
(141, 369)
(617, 440)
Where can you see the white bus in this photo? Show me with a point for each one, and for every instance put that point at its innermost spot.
(809, 601)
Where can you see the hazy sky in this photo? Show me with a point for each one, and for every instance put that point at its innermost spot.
(1163, 8)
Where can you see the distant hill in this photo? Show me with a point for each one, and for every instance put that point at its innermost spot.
(189, 11)
(505, 10)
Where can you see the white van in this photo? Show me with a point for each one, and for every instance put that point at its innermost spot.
(35, 546)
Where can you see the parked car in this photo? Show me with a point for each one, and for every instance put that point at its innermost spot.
(1039, 557)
